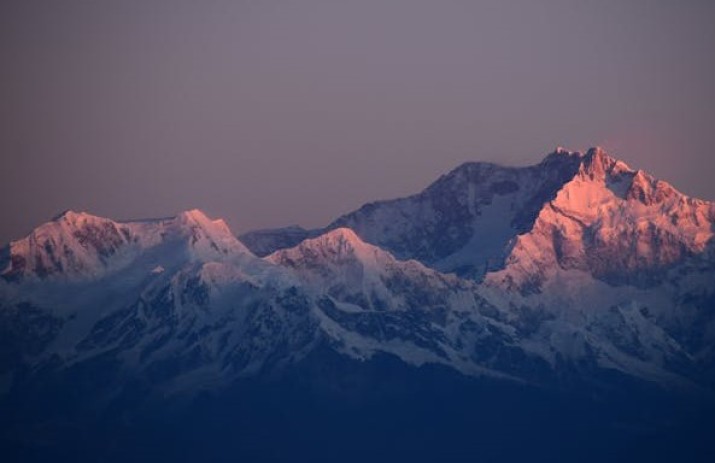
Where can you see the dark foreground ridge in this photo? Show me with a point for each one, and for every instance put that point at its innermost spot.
(331, 409)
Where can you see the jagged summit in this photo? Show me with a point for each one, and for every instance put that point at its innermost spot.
(570, 266)
(193, 216)
(335, 246)
(70, 215)
(477, 218)
(340, 238)
(217, 228)
(615, 223)
(595, 160)
(464, 221)
(649, 190)
(81, 245)
(366, 277)
(208, 238)
(597, 152)
(72, 243)
(560, 154)
(187, 216)
(597, 164)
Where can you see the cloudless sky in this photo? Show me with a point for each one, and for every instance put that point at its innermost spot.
(270, 113)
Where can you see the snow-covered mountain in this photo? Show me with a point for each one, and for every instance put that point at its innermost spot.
(181, 290)
(480, 217)
(557, 273)
(373, 302)
(602, 262)
(620, 225)
(623, 256)
(210, 314)
(461, 223)
(77, 245)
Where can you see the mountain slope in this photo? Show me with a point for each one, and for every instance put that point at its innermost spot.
(565, 269)
(572, 210)
(376, 303)
(590, 259)
(181, 291)
(461, 223)
(625, 260)
(80, 245)
(621, 226)
(264, 242)
(464, 221)
(489, 298)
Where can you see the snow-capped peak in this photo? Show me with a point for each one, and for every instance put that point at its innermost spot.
(334, 246)
(597, 152)
(613, 222)
(193, 216)
(196, 218)
(580, 236)
(73, 243)
(364, 276)
(598, 164)
(70, 215)
(341, 254)
(81, 245)
(209, 238)
(648, 190)
(342, 239)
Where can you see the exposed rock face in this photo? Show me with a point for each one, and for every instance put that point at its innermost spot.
(573, 268)
(264, 242)
(463, 223)
(80, 245)
(620, 225)
(589, 212)
(73, 243)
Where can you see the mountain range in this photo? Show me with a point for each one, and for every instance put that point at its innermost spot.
(577, 273)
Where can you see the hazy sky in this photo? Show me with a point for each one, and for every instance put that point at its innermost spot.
(270, 113)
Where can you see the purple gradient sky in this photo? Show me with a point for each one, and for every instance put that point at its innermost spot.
(269, 113)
